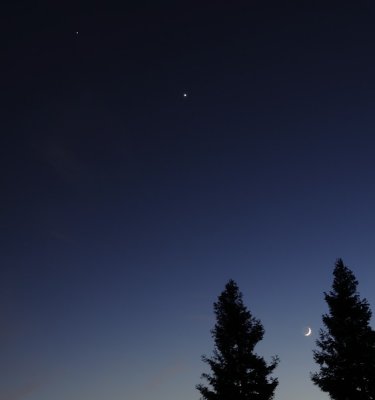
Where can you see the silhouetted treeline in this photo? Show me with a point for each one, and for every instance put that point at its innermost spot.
(345, 350)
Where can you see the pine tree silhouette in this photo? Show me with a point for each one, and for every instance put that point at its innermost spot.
(237, 372)
(346, 354)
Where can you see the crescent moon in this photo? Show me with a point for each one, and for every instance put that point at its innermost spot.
(309, 331)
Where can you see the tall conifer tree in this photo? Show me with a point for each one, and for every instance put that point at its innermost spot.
(237, 372)
(346, 354)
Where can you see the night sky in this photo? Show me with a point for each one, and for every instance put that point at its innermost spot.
(126, 206)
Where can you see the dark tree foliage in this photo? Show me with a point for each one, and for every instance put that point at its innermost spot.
(237, 372)
(346, 354)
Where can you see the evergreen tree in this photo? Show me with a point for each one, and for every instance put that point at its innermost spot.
(346, 354)
(237, 372)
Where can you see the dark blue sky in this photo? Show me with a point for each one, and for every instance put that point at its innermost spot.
(125, 207)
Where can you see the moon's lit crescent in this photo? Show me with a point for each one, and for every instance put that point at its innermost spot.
(309, 331)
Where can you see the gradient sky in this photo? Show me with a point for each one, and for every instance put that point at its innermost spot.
(126, 207)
